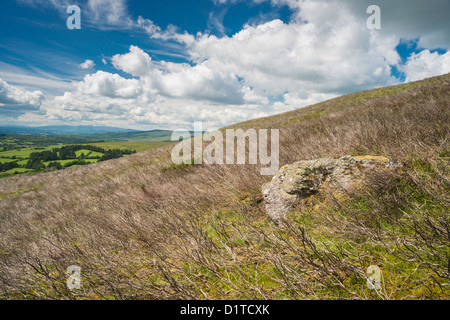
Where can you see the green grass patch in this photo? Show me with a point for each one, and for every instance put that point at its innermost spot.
(5, 160)
(14, 171)
(25, 153)
(88, 153)
(19, 170)
(177, 167)
(311, 115)
(63, 162)
(139, 146)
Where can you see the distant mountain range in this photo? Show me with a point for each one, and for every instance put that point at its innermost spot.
(90, 133)
(61, 130)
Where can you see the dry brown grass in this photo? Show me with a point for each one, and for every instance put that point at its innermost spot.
(200, 232)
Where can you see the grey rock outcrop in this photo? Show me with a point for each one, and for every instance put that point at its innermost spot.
(304, 178)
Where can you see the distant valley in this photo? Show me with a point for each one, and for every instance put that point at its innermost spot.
(29, 150)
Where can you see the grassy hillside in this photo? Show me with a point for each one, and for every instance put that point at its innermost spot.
(140, 227)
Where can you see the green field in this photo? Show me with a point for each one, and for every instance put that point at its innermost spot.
(139, 146)
(88, 153)
(60, 161)
(12, 172)
(20, 170)
(22, 162)
(25, 152)
(4, 160)
(19, 151)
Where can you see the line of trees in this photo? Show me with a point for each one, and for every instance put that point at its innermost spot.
(8, 166)
(36, 159)
(69, 152)
(111, 154)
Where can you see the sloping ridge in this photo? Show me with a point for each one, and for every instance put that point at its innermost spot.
(140, 227)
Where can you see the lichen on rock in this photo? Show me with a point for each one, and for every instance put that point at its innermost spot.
(304, 178)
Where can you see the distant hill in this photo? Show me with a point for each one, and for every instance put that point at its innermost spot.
(16, 130)
(152, 135)
(87, 133)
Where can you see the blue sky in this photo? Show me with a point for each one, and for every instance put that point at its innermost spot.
(165, 64)
(38, 40)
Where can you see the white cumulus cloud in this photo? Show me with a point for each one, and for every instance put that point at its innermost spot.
(88, 64)
(136, 62)
(15, 100)
(426, 64)
(323, 51)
